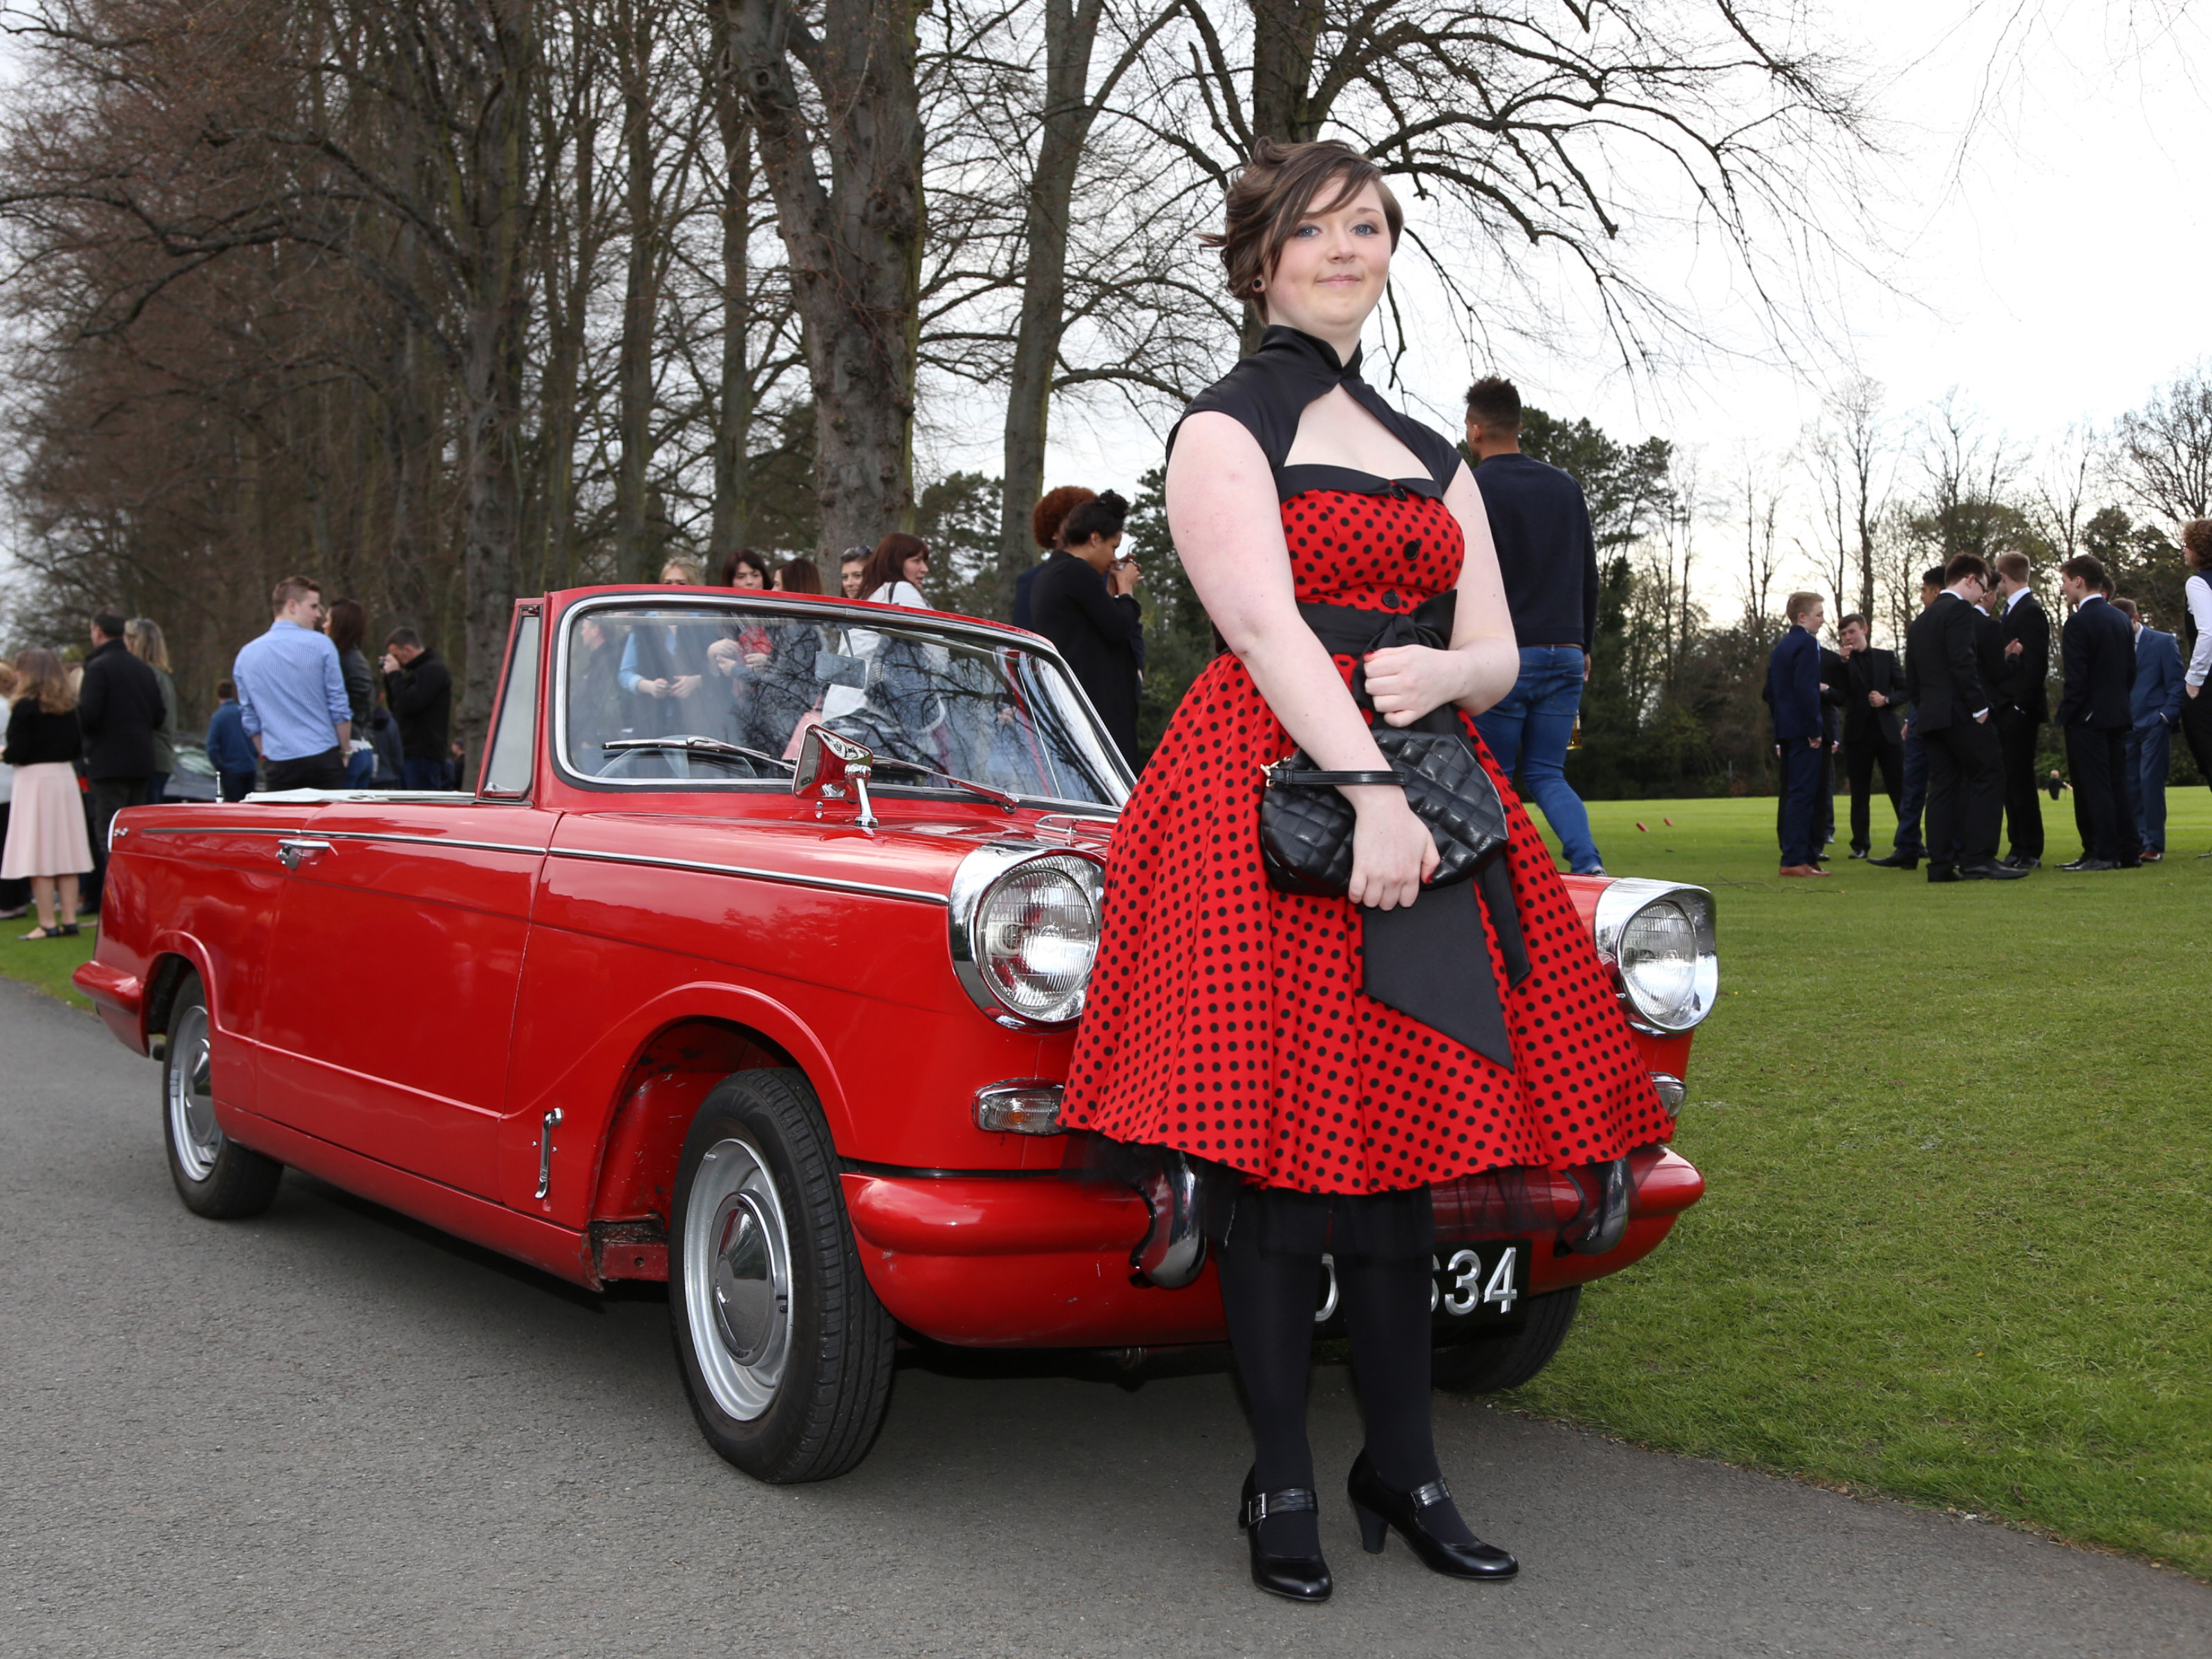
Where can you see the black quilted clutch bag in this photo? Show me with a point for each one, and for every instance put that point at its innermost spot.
(1305, 825)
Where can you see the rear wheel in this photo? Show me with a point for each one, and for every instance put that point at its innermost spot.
(215, 1175)
(1493, 1363)
(785, 1353)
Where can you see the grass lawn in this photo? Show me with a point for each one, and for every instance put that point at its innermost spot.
(1957, 1240)
(47, 963)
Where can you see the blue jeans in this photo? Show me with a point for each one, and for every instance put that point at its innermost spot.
(416, 774)
(1530, 727)
(2150, 753)
(361, 767)
(1915, 797)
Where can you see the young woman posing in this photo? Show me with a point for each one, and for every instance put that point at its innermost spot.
(1338, 1054)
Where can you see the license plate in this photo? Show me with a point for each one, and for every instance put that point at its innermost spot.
(1482, 1285)
(1479, 1284)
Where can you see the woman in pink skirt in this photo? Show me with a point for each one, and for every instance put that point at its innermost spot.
(46, 840)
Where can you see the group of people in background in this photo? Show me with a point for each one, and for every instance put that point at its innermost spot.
(302, 707)
(1954, 731)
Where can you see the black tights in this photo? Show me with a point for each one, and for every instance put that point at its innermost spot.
(1269, 1299)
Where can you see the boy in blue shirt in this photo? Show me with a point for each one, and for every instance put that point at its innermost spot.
(229, 750)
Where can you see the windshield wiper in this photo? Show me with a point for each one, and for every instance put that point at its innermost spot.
(981, 791)
(699, 745)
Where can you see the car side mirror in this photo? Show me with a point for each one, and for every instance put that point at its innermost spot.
(827, 764)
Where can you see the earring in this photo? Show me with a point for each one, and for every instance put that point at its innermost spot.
(1259, 284)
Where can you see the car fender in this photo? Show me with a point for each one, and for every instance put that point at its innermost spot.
(630, 1062)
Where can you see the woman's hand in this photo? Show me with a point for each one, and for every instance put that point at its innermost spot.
(1407, 681)
(1392, 851)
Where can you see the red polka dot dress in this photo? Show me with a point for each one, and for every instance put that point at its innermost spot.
(1225, 1018)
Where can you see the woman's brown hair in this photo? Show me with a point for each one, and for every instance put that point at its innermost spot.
(40, 674)
(1051, 511)
(799, 576)
(887, 564)
(348, 623)
(1279, 187)
(726, 568)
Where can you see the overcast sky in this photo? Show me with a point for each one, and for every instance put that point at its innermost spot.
(2044, 232)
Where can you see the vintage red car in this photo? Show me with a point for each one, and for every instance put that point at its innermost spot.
(752, 965)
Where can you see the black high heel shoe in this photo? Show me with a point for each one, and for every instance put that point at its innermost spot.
(1380, 1509)
(1295, 1577)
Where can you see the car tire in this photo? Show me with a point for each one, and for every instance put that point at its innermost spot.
(215, 1175)
(785, 1353)
(1490, 1364)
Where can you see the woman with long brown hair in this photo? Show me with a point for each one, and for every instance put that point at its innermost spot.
(142, 637)
(46, 839)
(1334, 1051)
(347, 623)
(895, 571)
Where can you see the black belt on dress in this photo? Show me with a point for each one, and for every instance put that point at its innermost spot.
(1417, 958)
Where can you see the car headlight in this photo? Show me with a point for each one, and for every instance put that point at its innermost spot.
(1658, 936)
(1024, 931)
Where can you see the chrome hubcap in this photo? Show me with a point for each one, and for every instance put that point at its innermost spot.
(737, 1268)
(192, 1130)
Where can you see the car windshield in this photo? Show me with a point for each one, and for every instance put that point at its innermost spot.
(691, 694)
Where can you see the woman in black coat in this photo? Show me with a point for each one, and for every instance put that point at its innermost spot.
(1083, 601)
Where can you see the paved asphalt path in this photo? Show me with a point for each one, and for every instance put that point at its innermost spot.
(330, 1432)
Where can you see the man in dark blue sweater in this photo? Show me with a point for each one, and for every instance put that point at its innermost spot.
(1793, 690)
(1548, 559)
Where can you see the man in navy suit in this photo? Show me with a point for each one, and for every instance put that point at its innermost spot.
(1801, 737)
(2097, 650)
(2157, 710)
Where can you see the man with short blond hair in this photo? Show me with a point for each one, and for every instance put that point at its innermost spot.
(1793, 691)
(291, 693)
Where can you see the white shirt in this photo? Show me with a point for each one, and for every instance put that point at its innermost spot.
(2198, 587)
(2017, 595)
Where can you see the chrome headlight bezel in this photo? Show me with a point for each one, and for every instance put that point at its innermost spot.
(980, 876)
(1617, 906)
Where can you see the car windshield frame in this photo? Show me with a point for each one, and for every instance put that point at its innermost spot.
(972, 632)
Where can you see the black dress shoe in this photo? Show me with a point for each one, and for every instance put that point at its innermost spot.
(2022, 861)
(1897, 862)
(2083, 865)
(1294, 1577)
(1943, 872)
(1380, 1509)
(1991, 870)
(1858, 852)
(2127, 864)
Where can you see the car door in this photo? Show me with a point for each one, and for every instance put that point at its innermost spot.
(397, 960)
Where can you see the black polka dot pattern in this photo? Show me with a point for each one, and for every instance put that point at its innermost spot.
(1224, 1017)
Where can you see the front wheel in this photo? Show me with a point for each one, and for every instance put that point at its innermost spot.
(1490, 1363)
(785, 1353)
(215, 1175)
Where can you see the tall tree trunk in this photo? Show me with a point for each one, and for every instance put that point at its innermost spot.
(1070, 32)
(854, 243)
(731, 517)
(1285, 36)
(497, 295)
(637, 545)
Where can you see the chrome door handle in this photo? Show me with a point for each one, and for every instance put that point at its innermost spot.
(545, 1153)
(289, 853)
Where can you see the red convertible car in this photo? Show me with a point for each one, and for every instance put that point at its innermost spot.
(752, 965)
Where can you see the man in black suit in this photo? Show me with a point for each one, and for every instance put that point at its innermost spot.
(2023, 705)
(1951, 705)
(1873, 687)
(2097, 649)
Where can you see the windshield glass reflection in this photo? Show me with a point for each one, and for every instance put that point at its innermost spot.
(658, 693)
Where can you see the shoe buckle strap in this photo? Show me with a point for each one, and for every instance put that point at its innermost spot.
(1289, 1501)
(1428, 1497)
